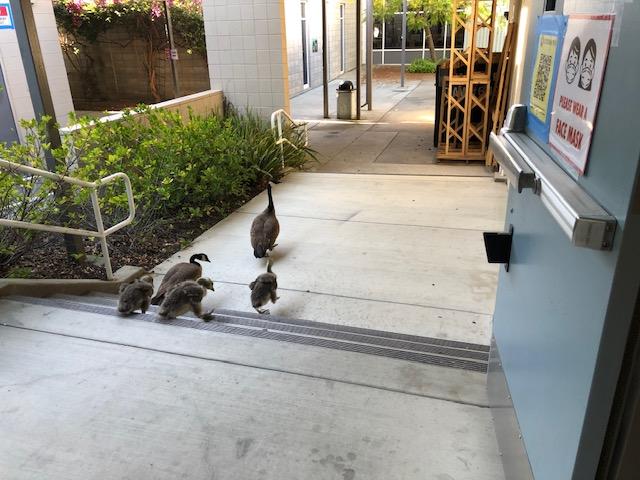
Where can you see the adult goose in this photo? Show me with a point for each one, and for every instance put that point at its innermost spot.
(265, 229)
(180, 272)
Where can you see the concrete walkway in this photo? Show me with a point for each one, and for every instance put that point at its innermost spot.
(401, 252)
(396, 137)
(98, 397)
(88, 395)
(397, 253)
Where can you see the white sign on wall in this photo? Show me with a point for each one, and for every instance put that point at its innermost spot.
(575, 103)
(6, 19)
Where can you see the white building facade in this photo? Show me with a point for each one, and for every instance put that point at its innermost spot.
(304, 41)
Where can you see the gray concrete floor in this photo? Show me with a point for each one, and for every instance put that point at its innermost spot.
(96, 397)
(389, 252)
(396, 137)
(86, 396)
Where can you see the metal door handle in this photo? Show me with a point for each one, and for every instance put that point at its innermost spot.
(515, 168)
(584, 221)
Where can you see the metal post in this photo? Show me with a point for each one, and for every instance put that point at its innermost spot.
(444, 50)
(280, 138)
(358, 56)
(384, 33)
(325, 62)
(38, 84)
(172, 49)
(404, 41)
(100, 229)
(369, 47)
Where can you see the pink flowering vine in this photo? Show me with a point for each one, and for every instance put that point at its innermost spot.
(156, 11)
(75, 9)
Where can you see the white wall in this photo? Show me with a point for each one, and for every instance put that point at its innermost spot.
(14, 74)
(246, 50)
(314, 27)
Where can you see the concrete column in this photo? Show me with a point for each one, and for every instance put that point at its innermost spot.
(247, 52)
(14, 74)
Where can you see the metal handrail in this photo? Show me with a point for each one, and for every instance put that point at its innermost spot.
(100, 231)
(276, 126)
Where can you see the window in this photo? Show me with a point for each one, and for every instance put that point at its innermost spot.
(393, 34)
(377, 35)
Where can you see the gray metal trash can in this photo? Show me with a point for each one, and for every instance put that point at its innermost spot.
(346, 96)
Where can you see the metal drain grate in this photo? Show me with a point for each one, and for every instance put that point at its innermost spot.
(251, 327)
(274, 320)
(364, 331)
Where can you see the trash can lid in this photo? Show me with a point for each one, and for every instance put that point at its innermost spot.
(345, 85)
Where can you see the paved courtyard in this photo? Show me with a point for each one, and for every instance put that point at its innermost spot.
(379, 237)
(394, 138)
(397, 247)
(399, 253)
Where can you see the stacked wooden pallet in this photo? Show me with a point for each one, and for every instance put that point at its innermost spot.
(501, 92)
(473, 101)
(468, 86)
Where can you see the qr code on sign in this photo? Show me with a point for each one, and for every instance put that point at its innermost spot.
(542, 77)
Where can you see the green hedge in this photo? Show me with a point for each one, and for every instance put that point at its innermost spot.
(422, 65)
(203, 167)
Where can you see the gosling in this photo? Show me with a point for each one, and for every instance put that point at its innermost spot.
(135, 295)
(264, 289)
(186, 296)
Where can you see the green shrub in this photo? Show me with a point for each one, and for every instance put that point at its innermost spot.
(179, 170)
(19, 272)
(28, 198)
(260, 149)
(199, 167)
(422, 65)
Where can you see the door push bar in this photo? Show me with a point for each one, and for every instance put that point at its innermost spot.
(527, 166)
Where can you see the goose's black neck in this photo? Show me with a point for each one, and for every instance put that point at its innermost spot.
(193, 259)
(270, 197)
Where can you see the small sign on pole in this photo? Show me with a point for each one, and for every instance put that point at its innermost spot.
(583, 61)
(171, 53)
(6, 17)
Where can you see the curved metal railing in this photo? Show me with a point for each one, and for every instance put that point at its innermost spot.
(100, 231)
(277, 118)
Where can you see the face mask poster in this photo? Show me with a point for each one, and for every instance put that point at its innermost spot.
(575, 103)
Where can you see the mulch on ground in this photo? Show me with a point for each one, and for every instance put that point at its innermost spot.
(387, 73)
(50, 259)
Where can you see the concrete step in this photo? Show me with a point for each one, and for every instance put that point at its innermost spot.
(227, 315)
(253, 345)
(407, 347)
(95, 396)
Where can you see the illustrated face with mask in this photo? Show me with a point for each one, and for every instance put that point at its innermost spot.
(571, 65)
(588, 66)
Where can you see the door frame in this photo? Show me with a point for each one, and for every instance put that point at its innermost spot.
(304, 35)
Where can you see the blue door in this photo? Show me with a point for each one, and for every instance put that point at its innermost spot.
(8, 131)
(564, 308)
